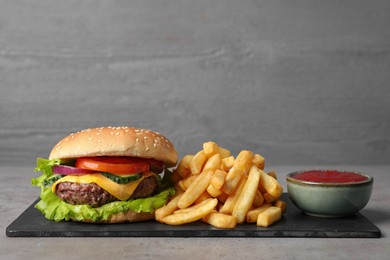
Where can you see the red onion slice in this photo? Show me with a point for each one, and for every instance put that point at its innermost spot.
(69, 170)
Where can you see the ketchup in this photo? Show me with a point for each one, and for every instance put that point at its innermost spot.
(329, 176)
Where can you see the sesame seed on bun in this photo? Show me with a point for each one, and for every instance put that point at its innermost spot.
(116, 141)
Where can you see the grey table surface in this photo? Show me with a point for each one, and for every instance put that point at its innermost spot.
(16, 194)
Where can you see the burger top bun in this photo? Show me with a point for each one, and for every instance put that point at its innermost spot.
(116, 141)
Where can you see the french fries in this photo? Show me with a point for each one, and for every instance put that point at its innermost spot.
(195, 189)
(192, 215)
(281, 204)
(167, 209)
(258, 160)
(218, 179)
(183, 168)
(213, 163)
(220, 220)
(247, 195)
(223, 191)
(197, 162)
(232, 199)
(252, 215)
(227, 163)
(269, 216)
(271, 185)
(240, 167)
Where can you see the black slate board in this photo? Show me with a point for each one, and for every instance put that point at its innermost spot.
(31, 223)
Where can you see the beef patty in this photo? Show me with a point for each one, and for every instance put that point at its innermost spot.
(94, 195)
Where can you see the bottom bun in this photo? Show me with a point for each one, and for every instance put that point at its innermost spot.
(129, 216)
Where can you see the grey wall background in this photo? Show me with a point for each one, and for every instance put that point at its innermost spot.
(302, 82)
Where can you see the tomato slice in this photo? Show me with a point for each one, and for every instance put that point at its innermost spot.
(113, 164)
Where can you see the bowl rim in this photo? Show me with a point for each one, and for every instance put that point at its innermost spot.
(290, 178)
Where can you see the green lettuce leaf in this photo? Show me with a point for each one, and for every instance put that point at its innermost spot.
(44, 166)
(53, 208)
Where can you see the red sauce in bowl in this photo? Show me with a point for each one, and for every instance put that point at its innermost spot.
(329, 176)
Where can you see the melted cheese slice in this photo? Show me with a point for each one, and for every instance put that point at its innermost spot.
(120, 191)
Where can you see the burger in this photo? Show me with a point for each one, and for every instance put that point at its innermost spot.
(106, 175)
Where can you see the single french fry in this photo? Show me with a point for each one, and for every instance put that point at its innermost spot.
(181, 185)
(167, 209)
(227, 163)
(247, 195)
(213, 163)
(240, 167)
(213, 191)
(220, 220)
(269, 216)
(271, 185)
(281, 204)
(197, 162)
(193, 206)
(232, 179)
(210, 148)
(201, 210)
(196, 188)
(259, 161)
(183, 168)
(231, 200)
(223, 152)
(251, 216)
(218, 179)
(243, 161)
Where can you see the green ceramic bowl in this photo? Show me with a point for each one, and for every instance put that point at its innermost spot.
(329, 199)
